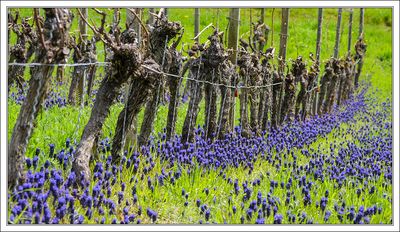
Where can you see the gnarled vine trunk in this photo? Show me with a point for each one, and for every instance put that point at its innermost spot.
(163, 31)
(288, 104)
(173, 84)
(332, 88)
(143, 83)
(276, 88)
(244, 63)
(51, 52)
(325, 80)
(226, 75)
(311, 90)
(126, 60)
(194, 102)
(19, 53)
(265, 95)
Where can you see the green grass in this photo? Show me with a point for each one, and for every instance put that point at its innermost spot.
(57, 124)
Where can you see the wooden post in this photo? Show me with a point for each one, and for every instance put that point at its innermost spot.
(218, 13)
(350, 31)
(339, 21)
(282, 55)
(234, 17)
(317, 56)
(284, 34)
(83, 25)
(83, 32)
(361, 28)
(319, 35)
(151, 17)
(262, 15)
(360, 36)
(196, 23)
(272, 27)
(115, 16)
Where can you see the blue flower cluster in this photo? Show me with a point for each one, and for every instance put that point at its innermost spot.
(52, 195)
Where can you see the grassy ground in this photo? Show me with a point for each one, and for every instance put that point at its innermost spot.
(57, 124)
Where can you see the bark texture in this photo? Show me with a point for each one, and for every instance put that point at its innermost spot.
(311, 89)
(361, 48)
(143, 83)
(214, 56)
(194, 102)
(325, 81)
(174, 84)
(244, 63)
(226, 75)
(161, 33)
(276, 88)
(301, 76)
(255, 80)
(331, 92)
(20, 53)
(288, 104)
(126, 60)
(348, 87)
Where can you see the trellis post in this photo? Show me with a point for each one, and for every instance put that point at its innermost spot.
(350, 31)
(337, 40)
(234, 17)
(360, 35)
(282, 54)
(151, 17)
(317, 56)
(196, 23)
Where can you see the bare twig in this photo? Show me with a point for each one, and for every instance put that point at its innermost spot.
(87, 23)
(209, 25)
(103, 19)
(93, 28)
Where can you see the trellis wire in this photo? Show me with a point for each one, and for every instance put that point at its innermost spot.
(64, 65)
(211, 83)
(151, 69)
(159, 72)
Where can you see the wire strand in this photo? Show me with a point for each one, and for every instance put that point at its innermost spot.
(211, 83)
(56, 65)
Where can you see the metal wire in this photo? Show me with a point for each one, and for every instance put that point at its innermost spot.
(56, 65)
(211, 83)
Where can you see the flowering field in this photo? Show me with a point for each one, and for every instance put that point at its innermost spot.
(333, 169)
(330, 169)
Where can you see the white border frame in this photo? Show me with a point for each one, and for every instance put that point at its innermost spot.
(208, 4)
